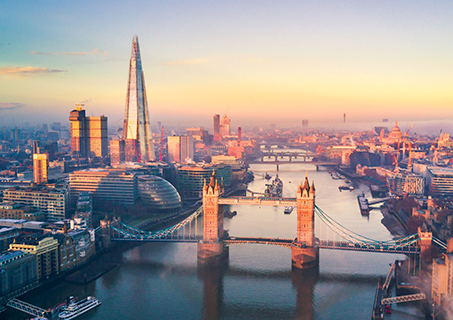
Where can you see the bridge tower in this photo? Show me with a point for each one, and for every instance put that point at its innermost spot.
(212, 248)
(426, 239)
(305, 250)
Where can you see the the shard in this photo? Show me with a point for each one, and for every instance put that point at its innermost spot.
(136, 131)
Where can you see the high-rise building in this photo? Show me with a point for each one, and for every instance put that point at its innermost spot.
(116, 152)
(39, 168)
(136, 127)
(180, 148)
(89, 136)
(216, 128)
(225, 126)
(98, 136)
(79, 139)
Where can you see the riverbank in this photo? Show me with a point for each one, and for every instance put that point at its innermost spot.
(392, 224)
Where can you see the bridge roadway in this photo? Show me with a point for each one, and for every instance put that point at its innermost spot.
(260, 201)
(287, 243)
(316, 163)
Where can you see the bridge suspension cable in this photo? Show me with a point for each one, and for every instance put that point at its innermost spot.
(359, 239)
(132, 233)
(440, 243)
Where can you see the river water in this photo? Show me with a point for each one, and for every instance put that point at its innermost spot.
(163, 281)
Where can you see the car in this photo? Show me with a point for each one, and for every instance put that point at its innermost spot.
(388, 309)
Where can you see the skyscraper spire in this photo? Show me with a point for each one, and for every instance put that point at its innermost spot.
(136, 131)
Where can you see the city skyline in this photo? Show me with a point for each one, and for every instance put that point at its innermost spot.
(314, 61)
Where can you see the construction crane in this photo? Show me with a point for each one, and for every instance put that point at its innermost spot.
(396, 158)
(406, 139)
(161, 143)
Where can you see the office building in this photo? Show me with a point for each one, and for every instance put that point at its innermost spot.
(191, 178)
(17, 211)
(53, 202)
(45, 248)
(216, 128)
(225, 126)
(180, 149)
(40, 168)
(89, 136)
(116, 152)
(440, 181)
(407, 183)
(136, 127)
(106, 186)
(158, 194)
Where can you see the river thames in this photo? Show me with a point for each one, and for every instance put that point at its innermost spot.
(163, 281)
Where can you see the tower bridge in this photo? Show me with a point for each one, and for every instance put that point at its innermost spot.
(206, 228)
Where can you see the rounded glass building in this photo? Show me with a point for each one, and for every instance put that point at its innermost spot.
(158, 194)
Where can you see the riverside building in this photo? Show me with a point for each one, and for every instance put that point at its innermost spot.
(18, 274)
(45, 249)
(105, 186)
(191, 178)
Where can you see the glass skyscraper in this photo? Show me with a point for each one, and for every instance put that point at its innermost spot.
(136, 130)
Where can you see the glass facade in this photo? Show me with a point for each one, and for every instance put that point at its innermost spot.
(136, 117)
(158, 194)
(192, 178)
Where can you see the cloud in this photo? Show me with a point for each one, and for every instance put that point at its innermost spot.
(94, 51)
(28, 70)
(10, 105)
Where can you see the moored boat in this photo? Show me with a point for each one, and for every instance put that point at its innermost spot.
(76, 308)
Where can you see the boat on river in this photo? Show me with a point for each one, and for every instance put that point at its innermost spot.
(76, 308)
(274, 189)
(288, 210)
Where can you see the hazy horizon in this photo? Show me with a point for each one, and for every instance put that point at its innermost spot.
(259, 62)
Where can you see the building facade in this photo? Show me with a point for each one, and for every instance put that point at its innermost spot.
(75, 248)
(158, 194)
(137, 134)
(18, 271)
(105, 186)
(53, 202)
(440, 181)
(89, 136)
(216, 127)
(180, 149)
(192, 178)
(46, 251)
(225, 129)
(18, 211)
(116, 152)
(40, 168)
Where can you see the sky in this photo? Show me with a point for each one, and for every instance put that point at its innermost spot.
(257, 61)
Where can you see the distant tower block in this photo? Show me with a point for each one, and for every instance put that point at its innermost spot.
(344, 118)
(136, 127)
(305, 250)
(212, 249)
